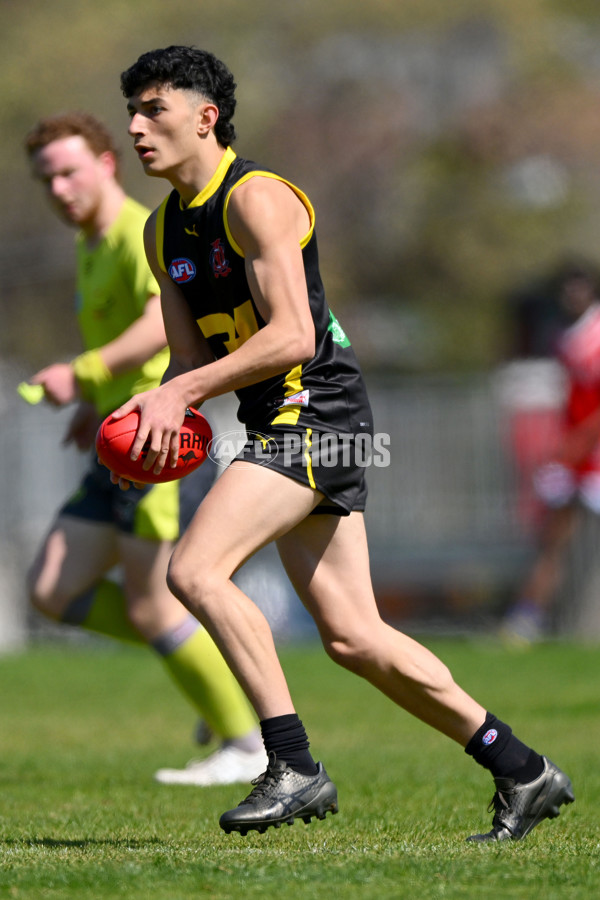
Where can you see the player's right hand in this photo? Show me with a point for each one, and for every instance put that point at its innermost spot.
(59, 383)
(162, 412)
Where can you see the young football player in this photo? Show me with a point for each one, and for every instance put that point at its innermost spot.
(233, 248)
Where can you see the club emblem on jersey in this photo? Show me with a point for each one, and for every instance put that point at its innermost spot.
(182, 270)
(218, 263)
(337, 332)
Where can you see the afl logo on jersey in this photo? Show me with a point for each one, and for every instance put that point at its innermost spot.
(182, 270)
(218, 263)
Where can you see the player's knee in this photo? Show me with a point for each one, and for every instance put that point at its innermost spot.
(44, 601)
(38, 601)
(178, 581)
(141, 617)
(190, 583)
(349, 653)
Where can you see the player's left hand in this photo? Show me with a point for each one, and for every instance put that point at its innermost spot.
(124, 483)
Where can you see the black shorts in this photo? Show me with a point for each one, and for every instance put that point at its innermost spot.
(333, 464)
(159, 512)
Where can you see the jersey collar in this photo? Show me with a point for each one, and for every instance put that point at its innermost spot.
(215, 182)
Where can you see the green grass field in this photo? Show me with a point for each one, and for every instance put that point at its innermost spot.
(84, 727)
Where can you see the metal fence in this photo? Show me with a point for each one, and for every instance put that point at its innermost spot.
(450, 520)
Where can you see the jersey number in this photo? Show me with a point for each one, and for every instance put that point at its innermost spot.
(238, 329)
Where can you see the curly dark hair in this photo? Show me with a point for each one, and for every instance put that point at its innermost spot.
(188, 69)
(70, 124)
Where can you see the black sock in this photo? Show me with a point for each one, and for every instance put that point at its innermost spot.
(286, 738)
(495, 747)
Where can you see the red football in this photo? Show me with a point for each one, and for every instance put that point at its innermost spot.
(116, 436)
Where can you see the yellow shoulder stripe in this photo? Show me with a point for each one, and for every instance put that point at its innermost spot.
(160, 233)
(216, 180)
(300, 194)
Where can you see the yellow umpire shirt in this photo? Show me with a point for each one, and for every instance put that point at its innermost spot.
(114, 284)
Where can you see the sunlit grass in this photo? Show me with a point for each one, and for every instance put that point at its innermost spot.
(83, 729)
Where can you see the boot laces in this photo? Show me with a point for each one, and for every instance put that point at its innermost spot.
(264, 783)
(499, 805)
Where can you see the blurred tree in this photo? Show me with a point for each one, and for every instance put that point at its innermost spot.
(449, 150)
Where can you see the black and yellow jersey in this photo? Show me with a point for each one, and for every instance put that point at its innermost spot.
(197, 250)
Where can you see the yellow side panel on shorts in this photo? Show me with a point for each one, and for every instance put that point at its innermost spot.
(289, 415)
(157, 514)
(308, 458)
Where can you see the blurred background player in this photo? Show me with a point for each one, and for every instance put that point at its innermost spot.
(120, 319)
(571, 479)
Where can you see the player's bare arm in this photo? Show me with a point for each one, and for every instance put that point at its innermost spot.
(143, 339)
(268, 222)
